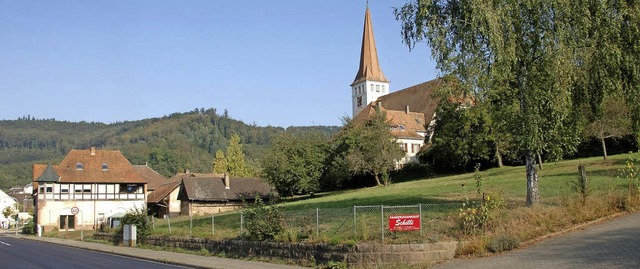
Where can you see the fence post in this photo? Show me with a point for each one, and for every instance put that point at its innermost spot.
(355, 231)
(420, 206)
(241, 223)
(317, 222)
(190, 223)
(213, 225)
(169, 223)
(153, 223)
(382, 221)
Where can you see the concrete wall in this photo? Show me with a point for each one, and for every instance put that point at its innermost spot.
(361, 255)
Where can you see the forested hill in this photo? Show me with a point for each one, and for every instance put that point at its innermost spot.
(169, 144)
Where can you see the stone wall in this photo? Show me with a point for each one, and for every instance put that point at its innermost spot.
(363, 255)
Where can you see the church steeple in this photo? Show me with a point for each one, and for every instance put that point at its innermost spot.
(370, 83)
(369, 66)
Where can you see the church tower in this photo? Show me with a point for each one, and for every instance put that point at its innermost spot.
(370, 83)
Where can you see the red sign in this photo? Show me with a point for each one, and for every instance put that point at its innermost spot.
(404, 223)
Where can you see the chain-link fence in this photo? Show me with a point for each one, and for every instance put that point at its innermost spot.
(375, 222)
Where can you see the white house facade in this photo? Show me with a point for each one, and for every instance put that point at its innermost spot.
(87, 189)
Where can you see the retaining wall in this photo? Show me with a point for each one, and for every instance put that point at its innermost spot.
(363, 255)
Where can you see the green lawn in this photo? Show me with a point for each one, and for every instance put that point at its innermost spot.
(335, 210)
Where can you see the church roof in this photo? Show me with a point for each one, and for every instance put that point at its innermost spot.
(409, 111)
(369, 66)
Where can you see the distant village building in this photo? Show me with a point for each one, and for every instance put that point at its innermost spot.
(6, 201)
(410, 112)
(88, 188)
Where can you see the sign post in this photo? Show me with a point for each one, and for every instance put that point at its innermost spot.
(75, 210)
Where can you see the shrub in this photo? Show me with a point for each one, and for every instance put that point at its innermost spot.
(137, 217)
(503, 242)
(29, 227)
(263, 222)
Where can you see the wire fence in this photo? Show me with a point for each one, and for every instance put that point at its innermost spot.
(373, 222)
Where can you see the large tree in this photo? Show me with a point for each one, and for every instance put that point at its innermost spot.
(369, 148)
(294, 163)
(516, 52)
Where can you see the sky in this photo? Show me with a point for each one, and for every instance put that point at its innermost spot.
(278, 63)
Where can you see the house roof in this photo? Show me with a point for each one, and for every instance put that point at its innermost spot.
(95, 166)
(154, 178)
(162, 191)
(49, 175)
(213, 188)
(369, 65)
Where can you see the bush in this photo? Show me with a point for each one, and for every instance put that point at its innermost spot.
(263, 222)
(503, 242)
(139, 218)
(29, 227)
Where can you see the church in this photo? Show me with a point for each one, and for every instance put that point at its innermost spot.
(410, 112)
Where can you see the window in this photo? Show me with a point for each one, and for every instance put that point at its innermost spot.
(105, 167)
(129, 188)
(371, 87)
(49, 189)
(382, 88)
(86, 188)
(377, 88)
(78, 166)
(41, 190)
(64, 188)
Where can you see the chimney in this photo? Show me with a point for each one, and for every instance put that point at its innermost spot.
(226, 181)
(93, 150)
(406, 109)
(378, 106)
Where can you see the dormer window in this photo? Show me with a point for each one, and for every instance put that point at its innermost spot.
(401, 127)
(78, 166)
(105, 167)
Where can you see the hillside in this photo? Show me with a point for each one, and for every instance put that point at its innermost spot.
(169, 144)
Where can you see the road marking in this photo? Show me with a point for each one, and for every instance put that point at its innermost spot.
(6, 244)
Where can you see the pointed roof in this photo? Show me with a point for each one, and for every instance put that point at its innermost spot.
(369, 66)
(49, 175)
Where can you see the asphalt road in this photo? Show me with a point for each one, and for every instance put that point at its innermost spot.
(27, 254)
(613, 244)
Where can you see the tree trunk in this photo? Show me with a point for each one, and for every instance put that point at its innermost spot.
(604, 147)
(533, 194)
(375, 175)
(539, 161)
(499, 157)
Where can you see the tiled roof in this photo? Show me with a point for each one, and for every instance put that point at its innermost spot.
(155, 179)
(213, 189)
(162, 191)
(82, 166)
(420, 101)
(49, 175)
(369, 65)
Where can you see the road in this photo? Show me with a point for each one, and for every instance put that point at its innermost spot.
(27, 254)
(612, 244)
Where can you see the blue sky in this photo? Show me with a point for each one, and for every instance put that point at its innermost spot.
(280, 63)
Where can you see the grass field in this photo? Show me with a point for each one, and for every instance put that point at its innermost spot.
(337, 224)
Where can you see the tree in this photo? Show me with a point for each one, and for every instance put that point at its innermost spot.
(9, 211)
(613, 122)
(369, 148)
(516, 51)
(220, 163)
(235, 158)
(462, 136)
(294, 163)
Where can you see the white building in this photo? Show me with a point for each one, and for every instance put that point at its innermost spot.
(6, 201)
(410, 112)
(87, 189)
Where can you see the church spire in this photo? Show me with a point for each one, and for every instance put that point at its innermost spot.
(369, 69)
